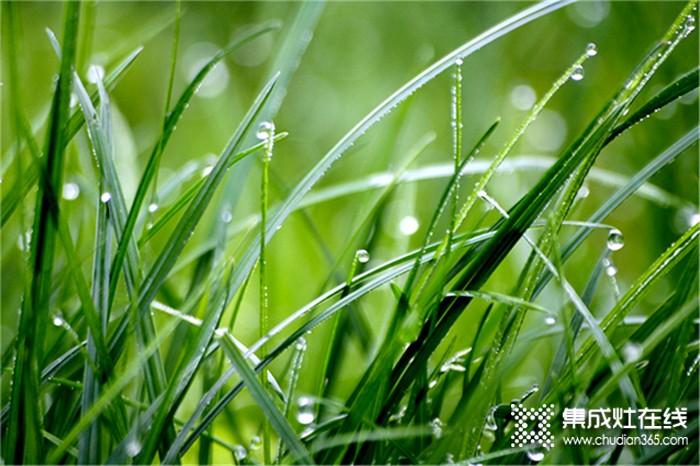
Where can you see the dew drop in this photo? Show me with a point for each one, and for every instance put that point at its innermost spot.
(362, 256)
(207, 170)
(153, 207)
(95, 73)
(226, 216)
(632, 352)
(265, 130)
(535, 455)
(591, 50)
(549, 320)
(239, 452)
(300, 345)
(305, 410)
(71, 191)
(255, 443)
(58, 319)
(615, 240)
(583, 192)
(408, 225)
(133, 447)
(436, 426)
(688, 26)
(578, 73)
(491, 420)
(106, 197)
(459, 62)
(610, 270)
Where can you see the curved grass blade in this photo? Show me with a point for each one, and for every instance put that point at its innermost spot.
(272, 412)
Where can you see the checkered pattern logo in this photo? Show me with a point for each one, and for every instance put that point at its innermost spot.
(532, 426)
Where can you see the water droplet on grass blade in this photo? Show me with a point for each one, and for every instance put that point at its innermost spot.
(153, 207)
(265, 130)
(632, 352)
(578, 73)
(300, 345)
(305, 410)
(615, 240)
(549, 320)
(239, 452)
(58, 319)
(408, 225)
(71, 191)
(362, 256)
(106, 197)
(95, 73)
(255, 442)
(436, 426)
(591, 50)
(133, 447)
(226, 216)
(688, 26)
(535, 455)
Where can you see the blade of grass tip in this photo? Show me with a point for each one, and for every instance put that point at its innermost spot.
(457, 130)
(20, 189)
(24, 441)
(272, 412)
(249, 259)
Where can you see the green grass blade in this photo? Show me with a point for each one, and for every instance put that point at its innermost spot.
(111, 392)
(304, 186)
(153, 161)
(23, 442)
(272, 412)
(20, 189)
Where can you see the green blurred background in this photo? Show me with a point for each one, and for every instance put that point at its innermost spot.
(359, 54)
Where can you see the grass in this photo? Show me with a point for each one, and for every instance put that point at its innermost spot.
(154, 327)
